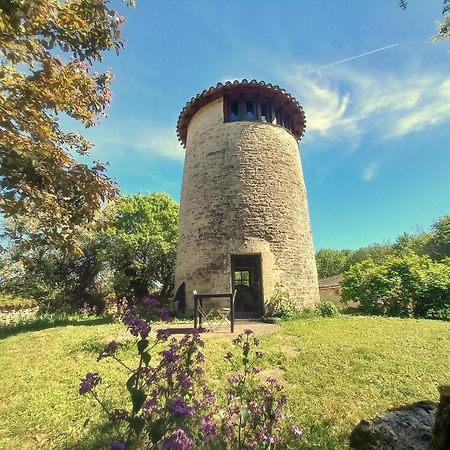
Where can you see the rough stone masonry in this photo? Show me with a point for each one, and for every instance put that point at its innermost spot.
(244, 194)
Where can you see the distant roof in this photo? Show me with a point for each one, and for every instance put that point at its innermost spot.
(330, 281)
(214, 92)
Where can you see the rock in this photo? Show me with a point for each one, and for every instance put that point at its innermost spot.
(274, 320)
(441, 431)
(405, 428)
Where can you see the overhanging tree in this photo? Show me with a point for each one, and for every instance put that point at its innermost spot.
(442, 28)
(48, 49)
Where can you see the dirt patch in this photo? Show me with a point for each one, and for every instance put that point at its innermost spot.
(289, 351)
(223, 330)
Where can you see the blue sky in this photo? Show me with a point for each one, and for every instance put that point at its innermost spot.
(376, 153)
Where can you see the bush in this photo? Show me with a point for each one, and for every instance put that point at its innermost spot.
(327, 309)
(401, 286)
(281, 305)
(11, 302)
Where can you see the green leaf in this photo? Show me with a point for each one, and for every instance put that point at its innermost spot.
(137, 424)
(138, 397)
(146, 358)
(142, 345)
(130, 383)
(157, 430)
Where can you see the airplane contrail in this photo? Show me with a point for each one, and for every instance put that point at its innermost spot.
(353, 57)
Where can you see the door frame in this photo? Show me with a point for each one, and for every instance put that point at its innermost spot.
(257, 258)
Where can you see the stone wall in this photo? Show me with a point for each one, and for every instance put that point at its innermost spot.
(243, 193)
(331, 294)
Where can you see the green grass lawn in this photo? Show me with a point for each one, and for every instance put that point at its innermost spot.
(336, 371)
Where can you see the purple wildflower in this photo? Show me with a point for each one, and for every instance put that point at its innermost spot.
(235, 378)
(163, 314)
(208, 396)
(117, 445)
(199, 370)
(265, 437)
(170, 355)
(149, 406)
(162, 335)
(229, 355)
(89, 382)
(109, 350)
(259, 355)
(179, 440)
(296, 431)
(179, 407)
(152, 375)
(229, 428)
(118, 414)
(208, 428)
(185, 381)
(136, 325)
(237, 340)
(248, 332)
(148, 301)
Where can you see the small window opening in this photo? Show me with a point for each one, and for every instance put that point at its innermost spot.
(250, 110)
(279, 116)
(234, 110)
(265, 112)
(242, 278)
(257, 108)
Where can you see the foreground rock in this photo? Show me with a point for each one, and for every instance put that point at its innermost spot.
(404, 428)
(441, 432)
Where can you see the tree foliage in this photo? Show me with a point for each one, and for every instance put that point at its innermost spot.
(332, 262)
(47, 50)
(434, 243)
(442, 28)
(401, 286)
(438, 245)
(141, 244)
(58, 278)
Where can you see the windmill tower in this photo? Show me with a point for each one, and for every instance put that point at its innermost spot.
(244, 221)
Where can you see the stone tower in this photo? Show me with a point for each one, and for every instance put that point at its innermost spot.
(244, 221)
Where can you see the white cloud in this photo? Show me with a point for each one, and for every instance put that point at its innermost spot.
(138, 138)
(369, 172)
(346, 103)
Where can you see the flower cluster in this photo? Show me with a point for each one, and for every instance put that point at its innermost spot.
(171, 406)
(89, 382)
(254, 416)
(109, 350)
(179, 440)
(88, 310)
(136, 325)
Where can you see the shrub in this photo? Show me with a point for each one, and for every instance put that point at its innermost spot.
(170, 404)
(281, 305)
(327, 309)
(401, 286)
(12, 302)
